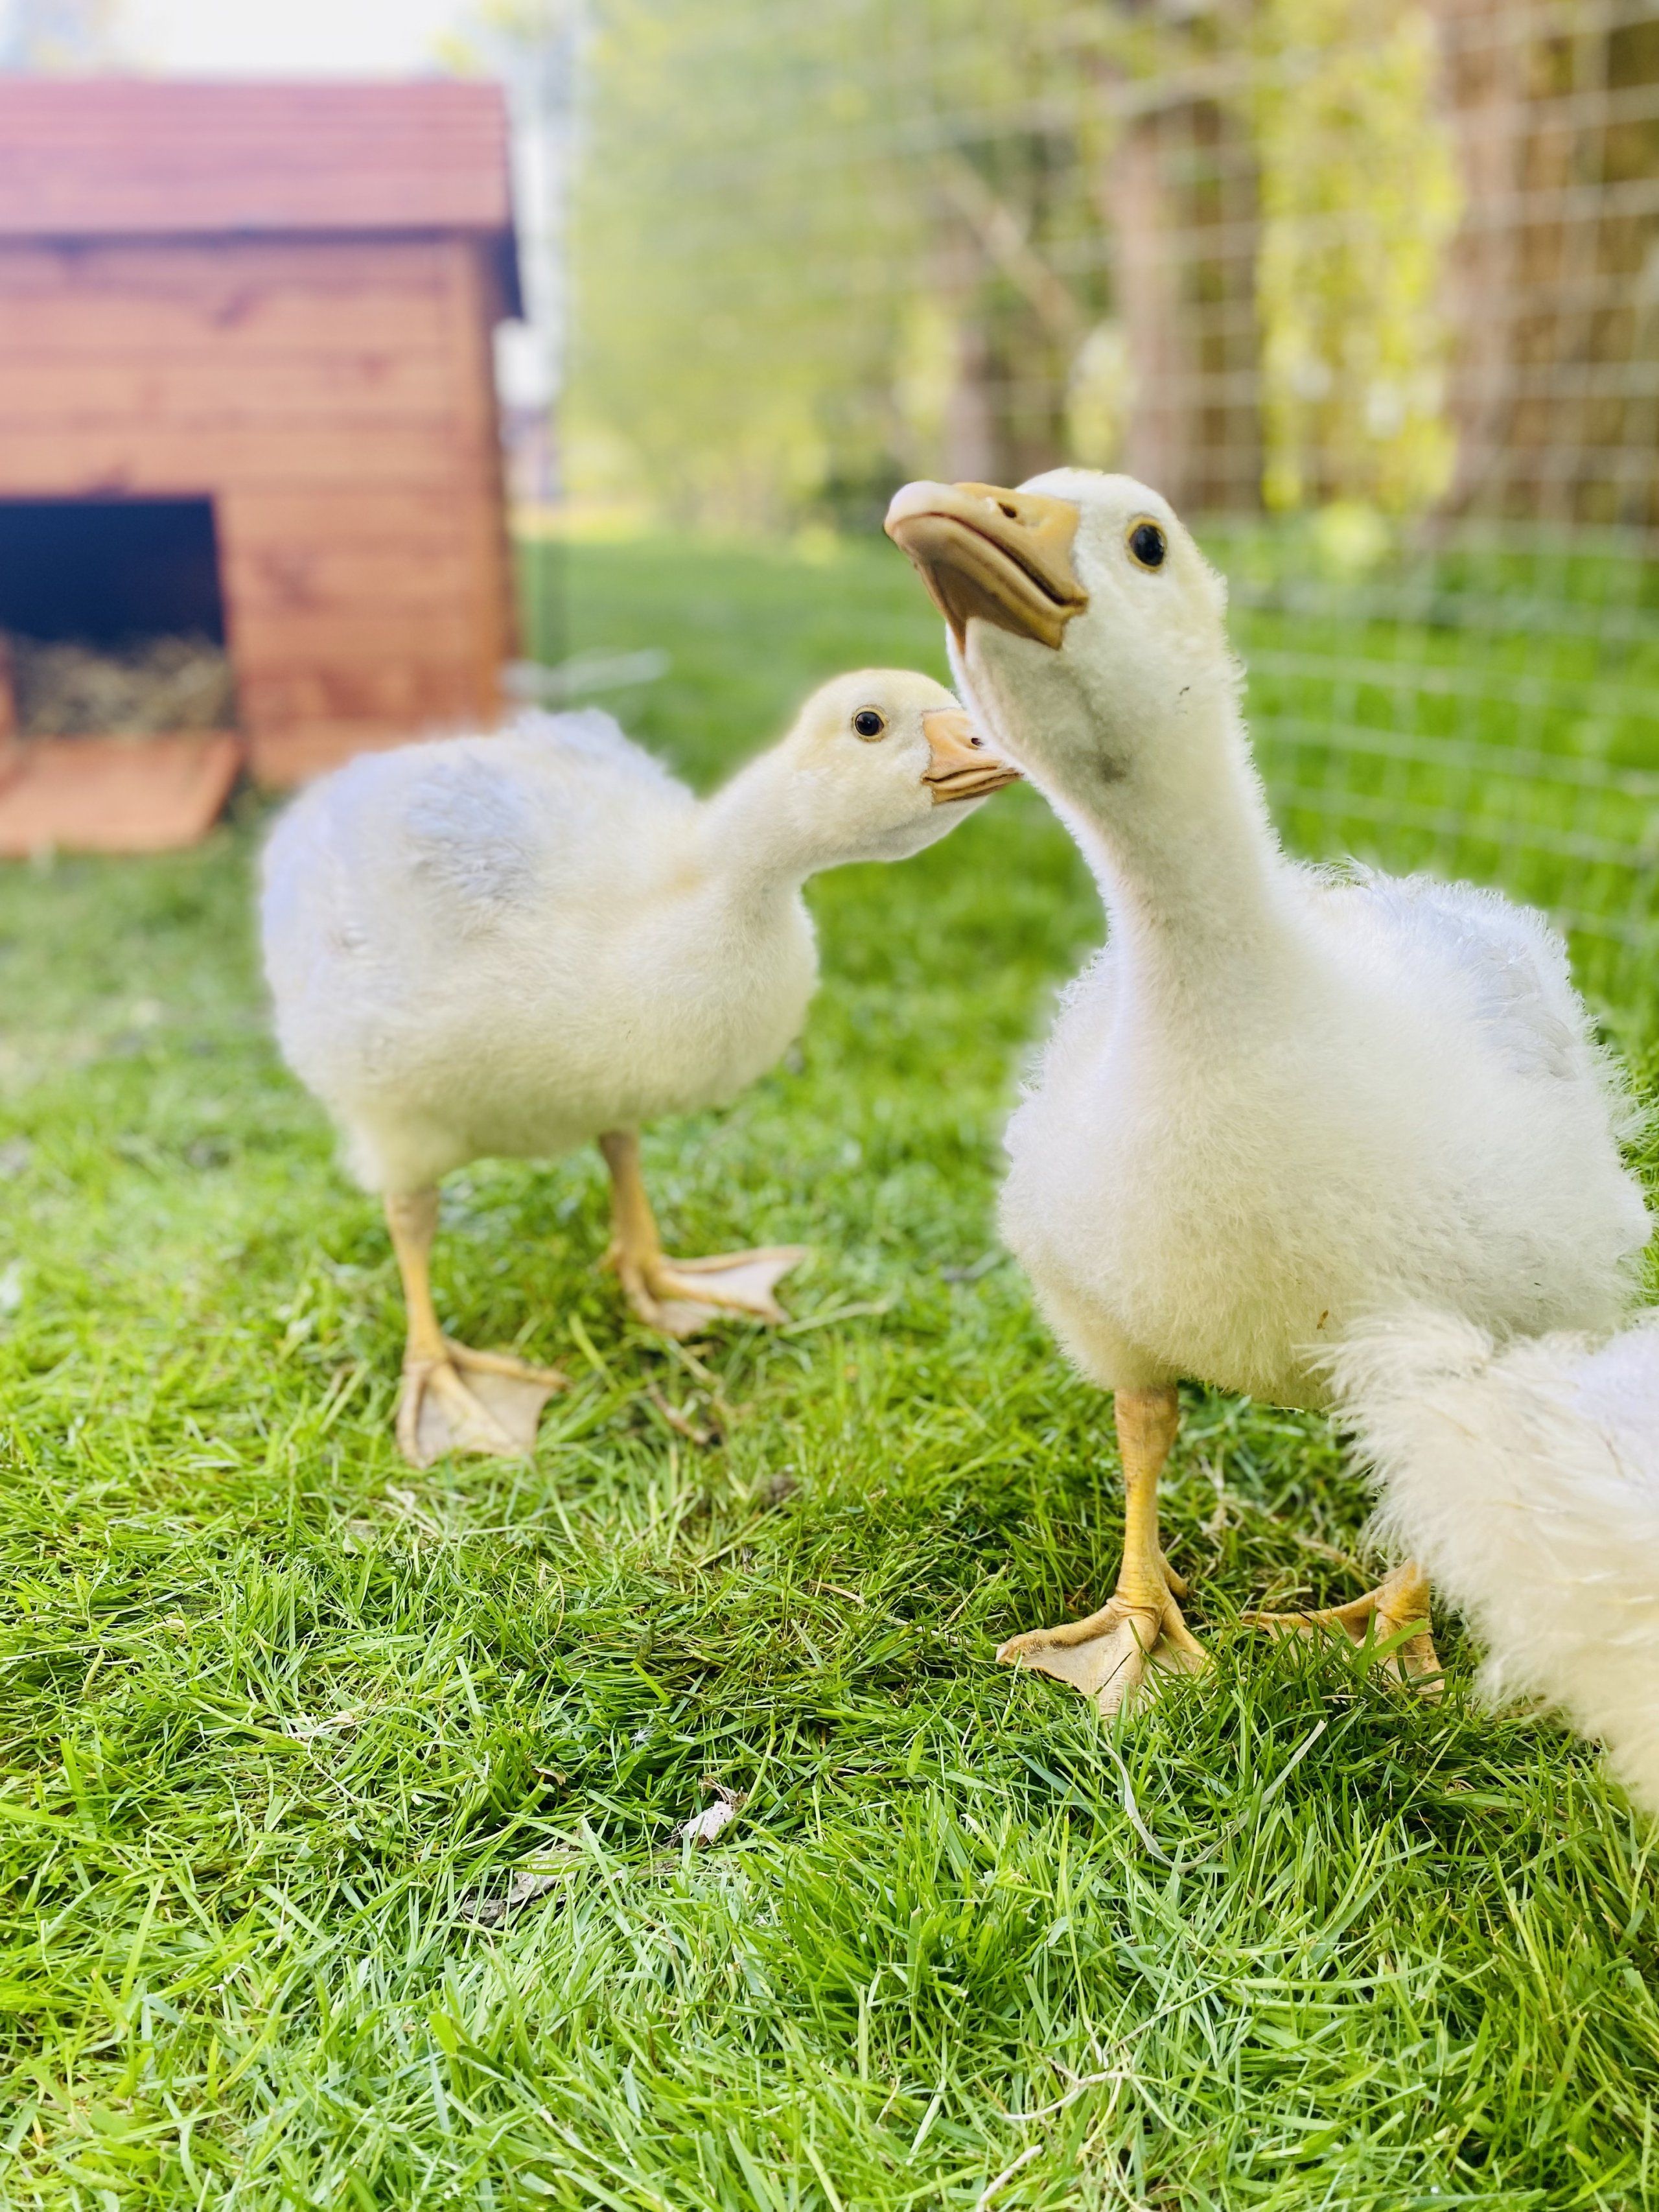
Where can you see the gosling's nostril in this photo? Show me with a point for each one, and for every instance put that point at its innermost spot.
(976, 742)
(1012, 512)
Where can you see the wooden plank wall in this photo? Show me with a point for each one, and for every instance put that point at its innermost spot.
(125, 157)
(336, 398)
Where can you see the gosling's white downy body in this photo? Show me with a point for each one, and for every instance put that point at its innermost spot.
(1281, 1100)
(1526, 1477)
(505, 945)
(512, 945)
(1386, 1091)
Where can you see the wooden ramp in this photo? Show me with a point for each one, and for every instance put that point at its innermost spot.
(114, 794)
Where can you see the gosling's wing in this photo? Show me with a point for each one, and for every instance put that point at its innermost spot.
(461, 834)
(557, 807)
(1503, 966)
(589, 744)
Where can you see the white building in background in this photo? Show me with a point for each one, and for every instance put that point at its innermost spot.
(534, 48)
(57, 35)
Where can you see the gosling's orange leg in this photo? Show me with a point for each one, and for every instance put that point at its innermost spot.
(1115, 1655)
(680, 1296)
(1400, 1601)
(454, 1399)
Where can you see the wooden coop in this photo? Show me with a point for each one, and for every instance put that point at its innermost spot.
(248, 438)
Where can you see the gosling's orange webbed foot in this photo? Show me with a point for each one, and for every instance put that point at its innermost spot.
(1120, 1654)
(680, 1296)
(1399, 1603)
(472, 1402)
(1115, 1656)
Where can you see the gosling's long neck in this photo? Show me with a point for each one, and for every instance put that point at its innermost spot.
(1176, 832)
(758, 836)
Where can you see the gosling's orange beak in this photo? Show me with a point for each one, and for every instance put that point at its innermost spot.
(960, 764)
(1003, 556)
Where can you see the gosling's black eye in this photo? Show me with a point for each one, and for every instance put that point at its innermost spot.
(1148, 544)
(868, 723)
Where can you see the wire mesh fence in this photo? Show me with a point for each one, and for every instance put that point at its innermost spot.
(1370, 289)
(1504, 732)
(1478, 690)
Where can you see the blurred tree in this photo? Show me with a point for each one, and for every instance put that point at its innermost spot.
(729, 249)
(1359, 198)
(823, 243)
(818, 245)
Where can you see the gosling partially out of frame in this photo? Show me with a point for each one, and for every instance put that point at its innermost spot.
(509, 945)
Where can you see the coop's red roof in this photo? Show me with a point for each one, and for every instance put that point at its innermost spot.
(120, 157)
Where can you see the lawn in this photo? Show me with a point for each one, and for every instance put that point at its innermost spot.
(285, 1725)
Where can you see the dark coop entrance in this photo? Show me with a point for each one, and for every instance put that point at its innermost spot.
(112, 618)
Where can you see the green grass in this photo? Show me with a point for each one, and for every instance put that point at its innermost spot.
(276, 1712)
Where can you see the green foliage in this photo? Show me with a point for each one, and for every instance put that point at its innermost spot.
(784, 286)
(822, 247)
(1359, 197)
(729, 332)
(276, 1713)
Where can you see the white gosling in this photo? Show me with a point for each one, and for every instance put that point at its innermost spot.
(1280, 1101)
(1526, 1477)
(513, 944)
